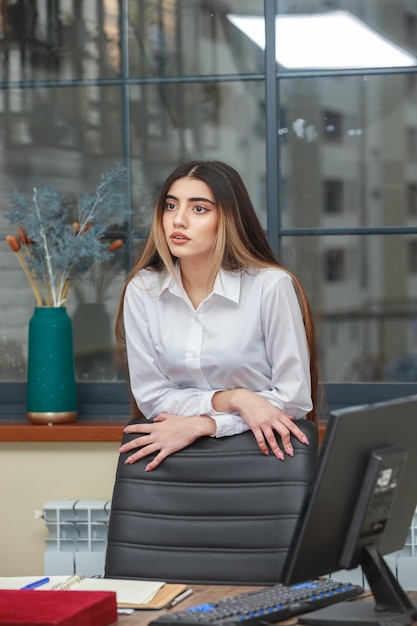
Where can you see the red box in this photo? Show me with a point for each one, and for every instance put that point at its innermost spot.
(57, 608)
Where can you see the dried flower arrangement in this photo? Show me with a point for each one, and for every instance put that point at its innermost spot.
(53, 249)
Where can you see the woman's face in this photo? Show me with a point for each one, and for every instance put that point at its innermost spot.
(190, 219)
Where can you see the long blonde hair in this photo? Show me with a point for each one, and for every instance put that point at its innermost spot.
(240, 244)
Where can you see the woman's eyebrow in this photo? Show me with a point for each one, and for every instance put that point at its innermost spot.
(171, 197)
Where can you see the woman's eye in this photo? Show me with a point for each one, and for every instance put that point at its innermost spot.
(169, 206)
(200, 209)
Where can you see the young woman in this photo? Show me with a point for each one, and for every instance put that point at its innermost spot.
(219, 336)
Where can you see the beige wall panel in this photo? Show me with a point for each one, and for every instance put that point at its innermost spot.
(34, 473)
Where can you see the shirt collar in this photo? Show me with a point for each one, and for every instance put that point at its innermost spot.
(227, 285)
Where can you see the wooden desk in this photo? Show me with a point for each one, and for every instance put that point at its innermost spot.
(207, 593)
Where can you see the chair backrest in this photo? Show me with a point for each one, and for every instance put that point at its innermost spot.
(218, 511)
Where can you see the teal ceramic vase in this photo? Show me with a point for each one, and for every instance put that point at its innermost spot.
(51, 392)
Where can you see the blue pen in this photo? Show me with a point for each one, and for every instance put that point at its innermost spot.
(36, 583)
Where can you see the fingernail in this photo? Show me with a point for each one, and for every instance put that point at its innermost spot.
(265, 452)
(289, 450)
(280, 456)
(148, 468)
(129, 461)
(121, 449)
(305, 440)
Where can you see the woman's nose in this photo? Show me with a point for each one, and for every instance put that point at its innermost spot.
(180, 217)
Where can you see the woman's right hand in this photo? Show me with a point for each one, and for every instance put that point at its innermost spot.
(167, 434)
(263, 419)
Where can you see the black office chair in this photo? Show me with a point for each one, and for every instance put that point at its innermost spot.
(218, 512)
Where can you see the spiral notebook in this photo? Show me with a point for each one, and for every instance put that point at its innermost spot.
(135, 594)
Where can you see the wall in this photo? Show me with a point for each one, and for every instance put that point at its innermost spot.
(34, 473)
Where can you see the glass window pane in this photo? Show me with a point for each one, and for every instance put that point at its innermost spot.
(345, 34)
(187, 37)
(93, 308)
(176, 123)
(364, 303)
(63, 137)
(60, 40)
(60, 137)
(348, 152)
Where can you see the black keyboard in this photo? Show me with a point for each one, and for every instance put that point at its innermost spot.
(273, 604)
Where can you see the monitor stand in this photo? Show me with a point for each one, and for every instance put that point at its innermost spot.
(392, 606)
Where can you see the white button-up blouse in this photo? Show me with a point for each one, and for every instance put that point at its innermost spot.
(248, 333)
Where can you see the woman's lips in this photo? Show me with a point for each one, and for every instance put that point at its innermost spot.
(178, 238)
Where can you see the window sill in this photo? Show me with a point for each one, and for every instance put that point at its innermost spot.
(86, 430)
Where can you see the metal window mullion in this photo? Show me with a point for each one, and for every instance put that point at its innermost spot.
(127, 149)
(271, 128)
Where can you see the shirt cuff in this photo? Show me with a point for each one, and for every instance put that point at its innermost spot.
(206, 407)
(228, 424)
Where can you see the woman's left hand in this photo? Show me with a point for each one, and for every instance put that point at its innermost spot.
(264, 420)
(167, 434)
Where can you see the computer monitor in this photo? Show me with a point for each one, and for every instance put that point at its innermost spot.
(359, 508)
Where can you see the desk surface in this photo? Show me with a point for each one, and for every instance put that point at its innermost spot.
(206, 593)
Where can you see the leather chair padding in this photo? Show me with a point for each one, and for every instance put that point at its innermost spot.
(216, 512)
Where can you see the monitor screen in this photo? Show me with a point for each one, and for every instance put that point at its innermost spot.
(359, 508)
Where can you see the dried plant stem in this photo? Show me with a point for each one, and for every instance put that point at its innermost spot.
(45, 293)
(67, 285)
(63, 284)
(31, 280)
(59, 285)
(45, 243)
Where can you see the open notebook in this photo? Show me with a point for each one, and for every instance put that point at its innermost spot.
(135, 594)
